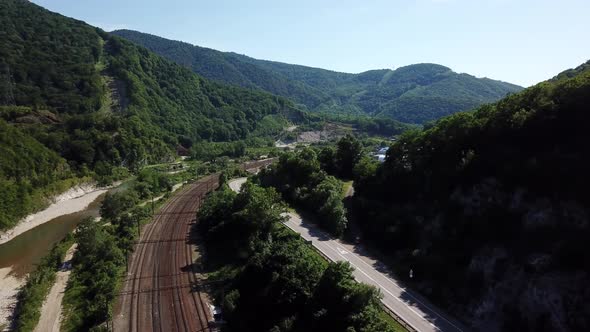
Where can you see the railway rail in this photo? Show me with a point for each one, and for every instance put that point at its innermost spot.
(161, 291)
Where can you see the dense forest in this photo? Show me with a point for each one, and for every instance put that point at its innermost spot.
(412, 94)
(27, 169)
(269, 279)
(225, 67)
(301, 181)
(490, 209)
(76, 101)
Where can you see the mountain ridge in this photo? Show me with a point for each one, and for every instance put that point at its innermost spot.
(102, 104)
(373, 92)
(489, 208)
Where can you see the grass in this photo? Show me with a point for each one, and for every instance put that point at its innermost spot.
(107, 98)
(391, 322)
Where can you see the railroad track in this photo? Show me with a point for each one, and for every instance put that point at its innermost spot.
(161, 292)
(157, 294)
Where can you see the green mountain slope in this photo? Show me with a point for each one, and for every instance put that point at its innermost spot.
(415, 94)
(491, 209)
(101, 102)
(226, 68)
(26, 169)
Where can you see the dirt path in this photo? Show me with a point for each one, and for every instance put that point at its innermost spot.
(73, 200)
(50, 319)
(9, 286)
(174, 188)
(236, 184)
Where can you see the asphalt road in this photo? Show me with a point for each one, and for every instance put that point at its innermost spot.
(412, 308)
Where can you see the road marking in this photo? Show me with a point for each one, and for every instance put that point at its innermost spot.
(388, 292)
(410, 294)
(341, 251)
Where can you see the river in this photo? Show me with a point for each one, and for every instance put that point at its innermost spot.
(26, 250)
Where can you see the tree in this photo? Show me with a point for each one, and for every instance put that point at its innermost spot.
(348, 154)
(301, 181)
(280, 282)
(341, 304)
(364, 168)
(325, 198)
(327, 158)
(97, 263)
(115, 203)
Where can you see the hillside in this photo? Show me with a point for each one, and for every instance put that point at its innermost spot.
(226, 68)
(102, 103)
(413, 94)
(490, 209)
(25, 164)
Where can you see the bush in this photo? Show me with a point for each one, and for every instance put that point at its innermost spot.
(39, 283)
(301, 181)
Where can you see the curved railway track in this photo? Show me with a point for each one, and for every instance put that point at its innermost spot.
(161, 292)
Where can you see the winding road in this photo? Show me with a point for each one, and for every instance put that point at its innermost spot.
(413, 309)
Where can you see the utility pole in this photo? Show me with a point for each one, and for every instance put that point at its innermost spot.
(152, 204)
(106, 306)
(9, 95)
(126, 260)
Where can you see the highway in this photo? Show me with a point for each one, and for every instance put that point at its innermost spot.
(412, 308)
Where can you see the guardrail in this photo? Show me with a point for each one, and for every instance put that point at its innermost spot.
(397, 318)
(391, 313)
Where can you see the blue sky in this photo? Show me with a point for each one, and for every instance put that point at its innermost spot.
(519, 41)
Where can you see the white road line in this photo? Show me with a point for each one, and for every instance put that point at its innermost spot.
(388, 292)
(412, 296)
(341, 251)
(294, 222)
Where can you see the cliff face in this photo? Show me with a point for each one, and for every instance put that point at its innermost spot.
(522, 284)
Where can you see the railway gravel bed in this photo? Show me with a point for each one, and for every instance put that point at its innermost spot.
(161, 292)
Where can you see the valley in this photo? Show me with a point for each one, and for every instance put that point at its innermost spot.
(45, 228)
(410, 309)
(412, 94)
(150, 184)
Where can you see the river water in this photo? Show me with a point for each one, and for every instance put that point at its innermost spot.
(26, 250)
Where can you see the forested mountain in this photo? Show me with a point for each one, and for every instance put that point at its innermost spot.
(36, 166)
(414, 94)
(100, 102)
(491, 209)
(226, 67)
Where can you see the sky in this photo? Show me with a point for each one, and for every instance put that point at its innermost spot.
(518, 41)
